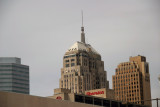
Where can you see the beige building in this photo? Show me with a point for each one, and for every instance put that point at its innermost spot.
(131, 81)
(83, 68)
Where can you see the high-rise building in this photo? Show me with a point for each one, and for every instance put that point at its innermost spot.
(83, 68)
(14, 77)
(131, 81)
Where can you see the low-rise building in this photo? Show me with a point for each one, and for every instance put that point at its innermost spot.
(94, 97)
(66, 94)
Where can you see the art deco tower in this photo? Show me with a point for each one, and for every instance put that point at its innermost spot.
(83, 68)
(132, 81)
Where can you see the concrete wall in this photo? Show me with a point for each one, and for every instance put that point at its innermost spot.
(8, 99)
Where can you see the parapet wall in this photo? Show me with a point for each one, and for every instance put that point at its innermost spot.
(9, 99)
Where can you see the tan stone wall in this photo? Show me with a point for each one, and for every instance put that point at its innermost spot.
(61, 90)
(8, 99)
(110, 94)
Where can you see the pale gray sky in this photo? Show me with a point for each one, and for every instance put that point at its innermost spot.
(40, 31)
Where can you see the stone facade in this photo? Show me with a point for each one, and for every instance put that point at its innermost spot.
(131, 81)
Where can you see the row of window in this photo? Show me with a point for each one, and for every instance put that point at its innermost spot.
(78, 62)
(125, 76)
(10, 74)
(14, 87)
(14, 83)
(126, 71)
(27, 68)
(121, 90)
(69, 56)
(123, 87)
(24, 92)
(10, 70)
(72, 64)
(126, 68)
(130, 81)
(78, 55)
(3, 78)
(69, 60)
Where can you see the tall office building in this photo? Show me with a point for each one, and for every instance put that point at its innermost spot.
(83, 68)
(131, 81)
(14, 76)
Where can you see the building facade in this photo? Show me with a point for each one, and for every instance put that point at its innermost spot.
(131, 81)
(83, 68)
(14, 77)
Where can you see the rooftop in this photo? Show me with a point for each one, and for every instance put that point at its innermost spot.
(10, 60)
(82, 46)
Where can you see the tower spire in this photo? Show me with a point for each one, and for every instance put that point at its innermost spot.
(82, 31)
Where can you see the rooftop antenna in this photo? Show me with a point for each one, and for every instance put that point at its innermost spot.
(82, 17)
(82, 29)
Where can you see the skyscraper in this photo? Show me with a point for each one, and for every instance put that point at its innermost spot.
(131, 81)
(14, 77)
(83, 68)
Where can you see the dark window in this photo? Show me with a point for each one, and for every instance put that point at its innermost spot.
(147, 68)
(72, 59)
(67, 60)
(67, 65)
(72, 64)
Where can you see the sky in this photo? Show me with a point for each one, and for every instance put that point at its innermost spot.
(40, 32)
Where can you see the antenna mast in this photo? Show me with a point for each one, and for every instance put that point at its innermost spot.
(82, 17)
(82, 29)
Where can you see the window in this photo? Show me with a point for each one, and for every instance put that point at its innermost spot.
(72, 64)
(146, 66)
(67, 60)
(72, 60)
(67, 65)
